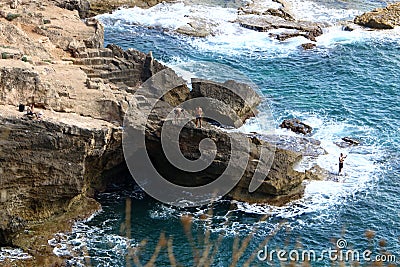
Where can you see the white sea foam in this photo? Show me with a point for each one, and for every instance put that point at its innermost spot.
(169, 16)
(320, 196)
(317, 12)
(76, 245)
(13, 254)
(229, 38)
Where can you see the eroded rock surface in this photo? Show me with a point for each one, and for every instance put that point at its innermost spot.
(45, 164)
(381, 18)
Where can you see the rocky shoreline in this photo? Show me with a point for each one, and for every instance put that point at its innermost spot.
(52, 167)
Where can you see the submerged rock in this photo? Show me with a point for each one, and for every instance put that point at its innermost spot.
(381, 18)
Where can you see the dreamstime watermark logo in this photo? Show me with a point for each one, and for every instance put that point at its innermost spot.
(154, 137)
(339, 254)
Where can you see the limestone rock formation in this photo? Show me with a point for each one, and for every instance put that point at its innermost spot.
(254, 15)
(46, 42)
(264, 23)
(281, 185)
(281, 182)
(296, 126)
(82, 6)
(381, 18)
(232, 103)
(45, 164)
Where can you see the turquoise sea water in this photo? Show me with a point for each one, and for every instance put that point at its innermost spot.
(348, 86)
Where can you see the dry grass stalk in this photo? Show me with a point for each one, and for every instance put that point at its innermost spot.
(171, 255)
(262, 245)
(162, 242)
(238, 253)
(186, 221)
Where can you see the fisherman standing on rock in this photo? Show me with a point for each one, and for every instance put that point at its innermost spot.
(341, 161)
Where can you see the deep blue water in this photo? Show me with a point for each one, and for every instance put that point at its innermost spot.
(349, 87)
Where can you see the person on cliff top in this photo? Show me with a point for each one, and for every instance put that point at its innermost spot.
(31, 112)
(199, 115)
(178, 111)
(341, 161)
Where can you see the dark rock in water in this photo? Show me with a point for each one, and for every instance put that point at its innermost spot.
(351, 140)
(347, 142)
(380, 18)
(285, 36)
(296, 126)
(231, 102)
(347, 28)
(308, 46)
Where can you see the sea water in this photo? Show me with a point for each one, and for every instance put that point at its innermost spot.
(347, 86)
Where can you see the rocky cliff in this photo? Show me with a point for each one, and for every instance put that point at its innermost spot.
(48, 165)
(45, 164)
(381, 18)
(53, 165)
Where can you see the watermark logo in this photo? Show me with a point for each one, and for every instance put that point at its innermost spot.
(340, 253)
(155, 126)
